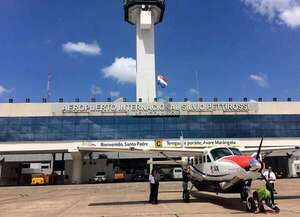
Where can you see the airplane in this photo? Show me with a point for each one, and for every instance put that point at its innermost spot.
(219, 169)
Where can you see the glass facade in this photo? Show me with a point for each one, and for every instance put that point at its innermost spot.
(127, 127)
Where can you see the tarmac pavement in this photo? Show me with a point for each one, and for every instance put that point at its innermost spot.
(131, 199)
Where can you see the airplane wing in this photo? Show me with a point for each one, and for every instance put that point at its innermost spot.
(166, 162)
(250, 150)
(180, 152)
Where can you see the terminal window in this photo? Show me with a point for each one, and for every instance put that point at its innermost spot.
(128, 127)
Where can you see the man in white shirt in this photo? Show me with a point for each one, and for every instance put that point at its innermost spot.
(154, 185)
(271, 178)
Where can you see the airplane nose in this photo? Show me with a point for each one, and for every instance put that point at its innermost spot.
(245, 162)
(254, 165)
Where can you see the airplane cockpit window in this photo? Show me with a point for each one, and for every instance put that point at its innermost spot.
(235, 151)
(208, 159)
(220, 152)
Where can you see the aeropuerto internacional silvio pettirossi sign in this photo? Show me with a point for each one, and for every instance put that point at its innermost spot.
(158, 108)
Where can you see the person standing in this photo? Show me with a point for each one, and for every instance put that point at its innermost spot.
(185, 185)
(270, 184)
(154, 186)
(157, 179)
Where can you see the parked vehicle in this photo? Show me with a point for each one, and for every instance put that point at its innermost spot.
(39, 179)
(166, 174)
(139, 175)
(100, 177)
(177, 173)
(119, 175)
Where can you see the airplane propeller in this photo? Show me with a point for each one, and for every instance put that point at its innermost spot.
(259, 149)
(260, 160)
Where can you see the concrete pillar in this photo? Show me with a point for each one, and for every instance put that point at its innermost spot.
(77, 167)
(291, 167)
(151, 165)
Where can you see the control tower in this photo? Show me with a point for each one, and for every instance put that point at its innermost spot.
(145, 14)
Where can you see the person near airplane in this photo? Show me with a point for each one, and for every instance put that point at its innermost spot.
(154, 186)
(185, 185)
(264, 195)
(270, 181)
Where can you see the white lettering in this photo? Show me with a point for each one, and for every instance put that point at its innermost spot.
(156, 108)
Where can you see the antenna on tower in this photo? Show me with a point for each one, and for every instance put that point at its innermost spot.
(49, 86)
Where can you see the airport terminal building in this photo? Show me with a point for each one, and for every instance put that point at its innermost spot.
(50, 137)
(37, 132)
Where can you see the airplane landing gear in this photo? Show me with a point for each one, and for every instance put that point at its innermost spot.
(250, 205)
(246, 196)
(245, 192)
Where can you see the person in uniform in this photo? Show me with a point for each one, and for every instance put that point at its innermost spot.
(270, 181)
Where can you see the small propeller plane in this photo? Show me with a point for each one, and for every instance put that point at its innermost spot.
(219, 169)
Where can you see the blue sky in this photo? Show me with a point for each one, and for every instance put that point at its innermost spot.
(237, 48)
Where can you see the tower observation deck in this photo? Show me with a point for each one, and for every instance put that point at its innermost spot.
(145, 14)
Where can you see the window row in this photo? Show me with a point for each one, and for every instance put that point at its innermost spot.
(85, 128)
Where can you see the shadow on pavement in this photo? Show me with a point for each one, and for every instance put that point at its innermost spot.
(197, 197)
(137, 202)
(287, 197)
(169, 192)
(227, 203)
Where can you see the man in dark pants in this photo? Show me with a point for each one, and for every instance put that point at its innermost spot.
(185, 185)
(154, 186)
(270, 180)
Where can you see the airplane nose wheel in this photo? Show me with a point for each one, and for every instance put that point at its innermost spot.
(245, 192)
(246, 196)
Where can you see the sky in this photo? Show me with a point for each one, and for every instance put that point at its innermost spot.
(213, 48)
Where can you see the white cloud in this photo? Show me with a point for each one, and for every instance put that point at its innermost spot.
(260, 79)
(282, 11)
(95, 90)
(193, 92)
(83, 48)
(123, 70)
(291, 17)
(114, 93)
(3, 90)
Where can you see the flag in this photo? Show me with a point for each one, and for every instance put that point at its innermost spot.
(162, 81)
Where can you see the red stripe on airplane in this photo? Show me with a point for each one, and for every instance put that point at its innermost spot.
(242, 161)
